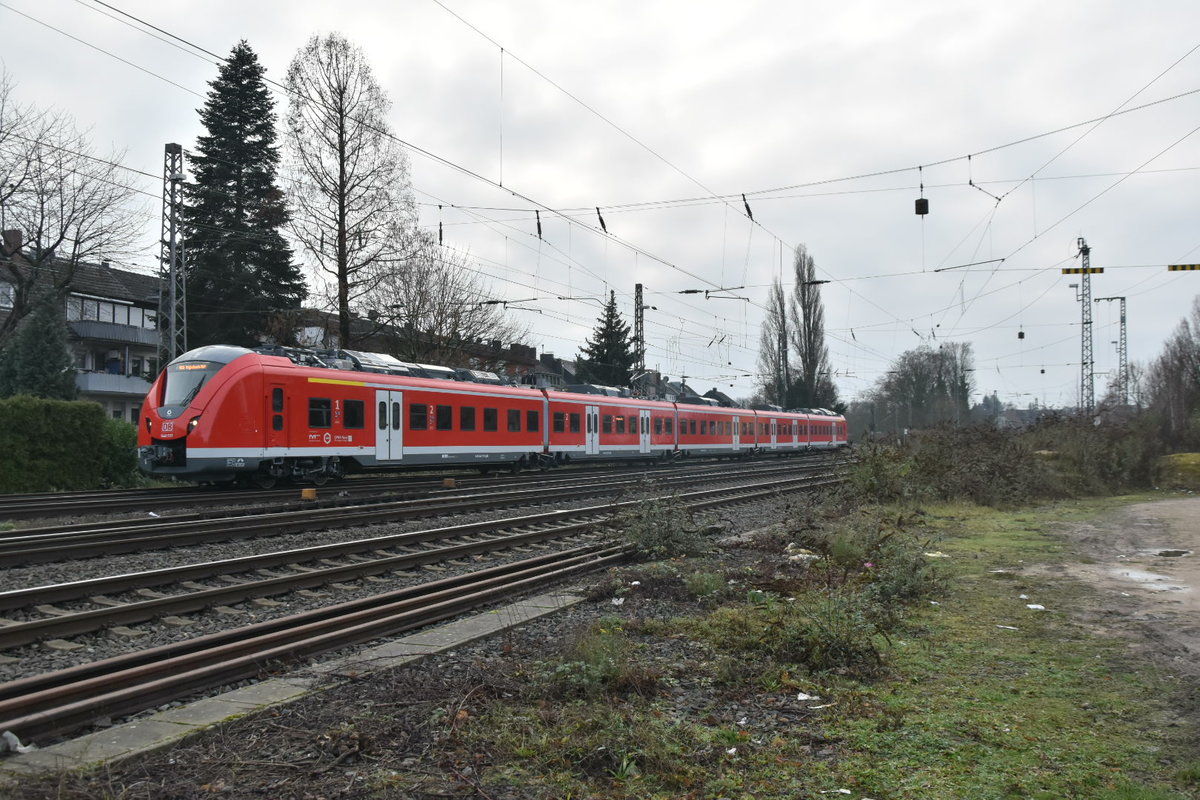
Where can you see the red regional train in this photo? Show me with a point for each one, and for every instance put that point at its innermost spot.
(222, 414)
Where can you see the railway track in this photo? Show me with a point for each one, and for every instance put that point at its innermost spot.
(33, 546)
(53, 703)
(47, 505)
(237, 580)
(60, 702)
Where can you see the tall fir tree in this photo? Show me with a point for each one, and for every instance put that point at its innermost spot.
(36, 361)
(608, 357)
(239, 266)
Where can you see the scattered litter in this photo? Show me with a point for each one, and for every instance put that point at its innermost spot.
(731, 751)
(151, 513)
(1124, 594)
(742, 722)
(836, 791)
(803, 696)
(11, 742)
(998, 572)
(827, 705)
(1022, 597)
(1007, 627)
(635, 583)
(937, 554)
(1035, 606)
(618, 601)
(934, 603)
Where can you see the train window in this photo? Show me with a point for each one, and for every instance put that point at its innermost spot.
(445, 418)
(277, 422)
(466, 418)
(514, 420)
(692, 427)
(560, 422)
(395, 416)
(668, 425)
(382, 415)
(356, 414)
(574, 423)
(531, 421)
(591, 424)
(491, 419)
(277, 400)
(620, 424)
(320, 412)
(608, 423)
(658, 425)
(633, 424)
(418, 416)
(703, 427)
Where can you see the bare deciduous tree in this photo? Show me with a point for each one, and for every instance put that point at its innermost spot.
(926, 386)
(438, 310)
(1172, 383)
(68, 204)
(774, 369)
(351, 193)
(813, 386)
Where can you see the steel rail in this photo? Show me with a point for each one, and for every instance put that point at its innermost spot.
(62, 701)
(563, 523)
(43, 548)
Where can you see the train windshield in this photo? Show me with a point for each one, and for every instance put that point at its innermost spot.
(185, 380)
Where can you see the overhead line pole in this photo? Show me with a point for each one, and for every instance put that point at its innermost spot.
(1122, 354)
(172, 285)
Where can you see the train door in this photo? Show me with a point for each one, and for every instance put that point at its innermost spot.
(644, 430)
(276, 416)
(592, 442)
(737, 433)
(774, 432)
(389, 425)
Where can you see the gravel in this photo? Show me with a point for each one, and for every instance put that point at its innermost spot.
(393, 725)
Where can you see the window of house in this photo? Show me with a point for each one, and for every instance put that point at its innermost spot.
(8, 295)
(574, 423)
(466, 418)
(514, 420)
(532, 423)
(445, 418)
(491, 419)
(320, 412)
(418, 416)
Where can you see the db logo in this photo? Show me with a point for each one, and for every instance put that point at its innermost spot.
(168, 426)
(328, 438)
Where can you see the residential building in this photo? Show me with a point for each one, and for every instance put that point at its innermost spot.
(110, 316)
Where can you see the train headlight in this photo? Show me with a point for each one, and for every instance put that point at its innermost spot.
(192, 423)
(147, 425)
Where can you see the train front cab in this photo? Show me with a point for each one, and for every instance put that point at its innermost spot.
(202, 403)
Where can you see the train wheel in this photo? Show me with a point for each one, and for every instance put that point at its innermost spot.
(320, 479)
(263, 480)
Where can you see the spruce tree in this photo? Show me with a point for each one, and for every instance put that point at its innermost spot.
(239, 267)
(37, 361)
(608, 357)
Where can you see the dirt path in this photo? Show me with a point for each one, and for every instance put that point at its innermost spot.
(1145, 561)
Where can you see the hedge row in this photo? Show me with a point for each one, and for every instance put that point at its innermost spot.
(49, 445)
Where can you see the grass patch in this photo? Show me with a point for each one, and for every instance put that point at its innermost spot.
(796, 683)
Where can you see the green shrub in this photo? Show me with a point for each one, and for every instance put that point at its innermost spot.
(660, 527)
(59, 445)
(120, 463)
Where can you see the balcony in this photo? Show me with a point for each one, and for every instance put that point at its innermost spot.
(104, 383)
(113, 332)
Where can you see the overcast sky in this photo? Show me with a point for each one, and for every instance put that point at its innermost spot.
(664, 113)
